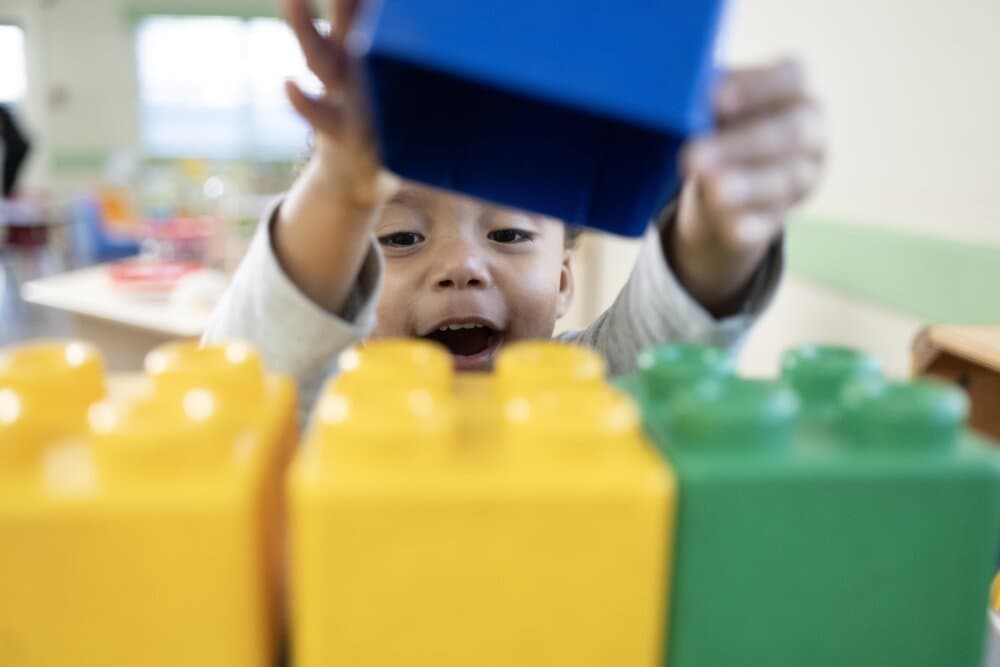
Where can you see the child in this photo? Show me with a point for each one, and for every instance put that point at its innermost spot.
(351, 253)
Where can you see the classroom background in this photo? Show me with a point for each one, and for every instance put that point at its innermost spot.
(160, 135)
(160, 126)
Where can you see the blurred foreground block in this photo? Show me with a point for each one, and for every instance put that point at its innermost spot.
(518, 518)
(140, 516)
(831, 518)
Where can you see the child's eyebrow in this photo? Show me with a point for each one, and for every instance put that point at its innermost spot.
(411, 199)
(509, 216)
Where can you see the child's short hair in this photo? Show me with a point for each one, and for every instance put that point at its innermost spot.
(572, 236)
(570, 240)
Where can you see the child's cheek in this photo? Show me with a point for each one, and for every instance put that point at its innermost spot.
(532, 302)
(392, 312)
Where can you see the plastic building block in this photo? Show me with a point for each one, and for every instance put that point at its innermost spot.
(993, 642)
(59, 380)
(136, 529)
(850, 522)
(518, 518)
(820, 372)
(564, 108)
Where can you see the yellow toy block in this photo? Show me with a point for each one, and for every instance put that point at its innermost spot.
(518, 518)
(141, 530)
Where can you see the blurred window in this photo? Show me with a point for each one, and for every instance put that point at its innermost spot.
(211, 87)
(13, 80)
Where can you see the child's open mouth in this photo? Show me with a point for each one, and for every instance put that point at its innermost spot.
(472, 344)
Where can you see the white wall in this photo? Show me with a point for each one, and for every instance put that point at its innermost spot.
(911, 91)
(911, 88)
(82, 94)
(90, 62)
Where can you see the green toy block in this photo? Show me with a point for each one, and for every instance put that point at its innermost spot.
(829, 519)
(668, 369)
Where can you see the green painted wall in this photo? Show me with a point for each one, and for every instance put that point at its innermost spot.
(930, 278)
(252, 9)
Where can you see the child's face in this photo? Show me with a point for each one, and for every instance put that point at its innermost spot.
(469, 275)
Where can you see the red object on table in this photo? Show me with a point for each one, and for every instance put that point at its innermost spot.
(180, 239)
(149, 277)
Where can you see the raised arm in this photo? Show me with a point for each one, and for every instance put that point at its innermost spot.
(323, 228)
(710, 265)
(308, 285)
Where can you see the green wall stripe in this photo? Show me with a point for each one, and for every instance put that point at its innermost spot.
(79, 160)
(930, 278)
(246, 10)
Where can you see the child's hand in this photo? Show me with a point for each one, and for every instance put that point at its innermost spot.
(344, 147)
(741, 181)
(324, 225)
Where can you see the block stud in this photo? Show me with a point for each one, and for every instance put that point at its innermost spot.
(584, 423)
(368, 428)
(165, 435)
(231, 371)
(396, 364)
(392, 404)
(731, 415)
(667, 369)
(535, 367)
(55, 382)
(20, 444)
(918, 414)
(820, 373)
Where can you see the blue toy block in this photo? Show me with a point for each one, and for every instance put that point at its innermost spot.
(572, 108)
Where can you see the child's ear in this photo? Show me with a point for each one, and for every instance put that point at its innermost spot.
(566, 285)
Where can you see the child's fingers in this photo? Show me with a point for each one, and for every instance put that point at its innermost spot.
(321, 56)
(757, 228)
(325, 117)
(738, 230)
(748, 91)
(774, 187)
(798, 129)
(343, 12)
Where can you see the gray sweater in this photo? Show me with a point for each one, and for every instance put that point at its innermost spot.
(298, 338)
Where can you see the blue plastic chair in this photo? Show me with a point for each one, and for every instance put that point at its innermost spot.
(93, 242)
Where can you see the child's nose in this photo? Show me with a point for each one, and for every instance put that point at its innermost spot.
(460, 267)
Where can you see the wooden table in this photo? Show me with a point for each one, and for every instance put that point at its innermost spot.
(970, 357)
(123, 326)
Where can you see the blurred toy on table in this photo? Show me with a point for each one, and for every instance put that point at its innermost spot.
(171, 230)
(132, 196)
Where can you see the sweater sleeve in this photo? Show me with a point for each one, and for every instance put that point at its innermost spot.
(296, 336)
(654, 308)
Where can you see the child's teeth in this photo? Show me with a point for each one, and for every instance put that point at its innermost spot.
(456, 327)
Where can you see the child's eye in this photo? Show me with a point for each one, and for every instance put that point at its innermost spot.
(510, 236)
(401, 239)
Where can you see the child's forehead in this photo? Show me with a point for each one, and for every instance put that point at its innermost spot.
(449, 205)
